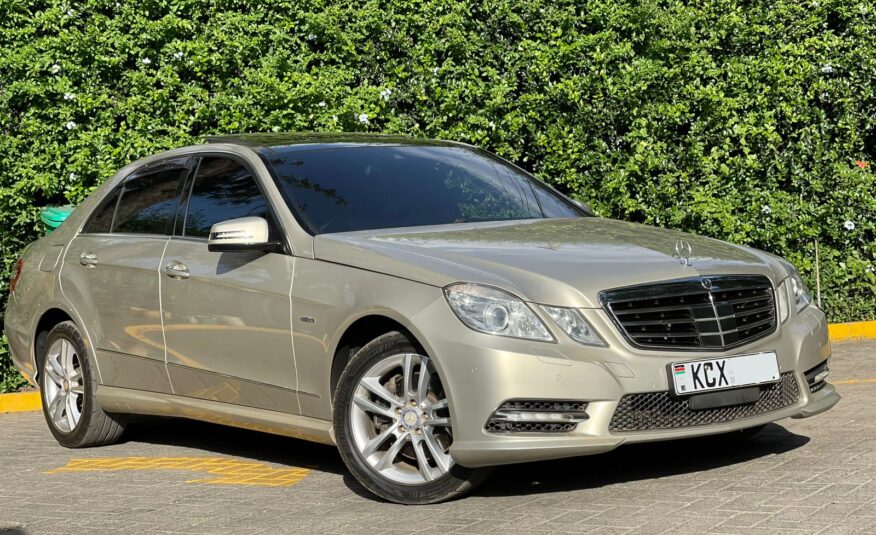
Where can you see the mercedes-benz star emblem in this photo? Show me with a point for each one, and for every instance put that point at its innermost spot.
(707, 283)
(683, 252)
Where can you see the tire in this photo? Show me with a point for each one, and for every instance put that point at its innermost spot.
(68, 384)
(416, 433)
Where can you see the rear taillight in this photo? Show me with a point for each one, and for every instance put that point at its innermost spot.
(16, 273)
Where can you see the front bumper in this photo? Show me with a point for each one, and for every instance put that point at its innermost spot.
(480, 372)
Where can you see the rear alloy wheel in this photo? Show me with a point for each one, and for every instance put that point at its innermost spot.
(64, 389)
(68, 383)
(393, 425)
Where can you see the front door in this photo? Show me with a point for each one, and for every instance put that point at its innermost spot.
(226, 315)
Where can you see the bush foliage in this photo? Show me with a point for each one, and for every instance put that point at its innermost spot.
(751, 121)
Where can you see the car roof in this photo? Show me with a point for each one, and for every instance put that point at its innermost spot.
(312, 140)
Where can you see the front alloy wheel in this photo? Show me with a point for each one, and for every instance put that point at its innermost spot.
(400, 420)
(393, 426)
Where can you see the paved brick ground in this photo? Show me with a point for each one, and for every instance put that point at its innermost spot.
(802, 476)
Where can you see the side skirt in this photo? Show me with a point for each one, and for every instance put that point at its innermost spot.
(128, 401)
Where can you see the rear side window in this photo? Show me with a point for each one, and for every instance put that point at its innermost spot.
(102, 218)
(223, 189)
(147, 203)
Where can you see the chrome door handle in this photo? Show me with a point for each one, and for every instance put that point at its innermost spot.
(177, 270)
(88, 259)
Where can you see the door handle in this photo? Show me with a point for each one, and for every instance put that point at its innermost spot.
(177, 270)
(88, 259)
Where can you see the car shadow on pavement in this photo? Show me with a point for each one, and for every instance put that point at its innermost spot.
(231, 441)
(632, 462)
(636, 462)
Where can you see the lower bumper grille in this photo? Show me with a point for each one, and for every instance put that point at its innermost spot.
(537, 416)
(816, 377)
(660, 410)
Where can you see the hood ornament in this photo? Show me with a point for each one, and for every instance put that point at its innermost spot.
(683, 252)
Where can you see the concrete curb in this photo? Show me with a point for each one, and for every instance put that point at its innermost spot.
(20, 402)
(839, 332)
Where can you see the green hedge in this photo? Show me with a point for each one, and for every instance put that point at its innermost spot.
(752, 121)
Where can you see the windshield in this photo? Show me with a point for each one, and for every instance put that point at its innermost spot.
(386, 186)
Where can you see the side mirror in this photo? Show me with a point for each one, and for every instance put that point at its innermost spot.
(584, 206)
(242, 234)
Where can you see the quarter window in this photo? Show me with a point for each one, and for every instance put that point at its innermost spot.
(102, 218)
(223, 189)
(147, 203)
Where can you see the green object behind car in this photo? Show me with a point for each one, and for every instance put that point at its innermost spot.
(53, 216)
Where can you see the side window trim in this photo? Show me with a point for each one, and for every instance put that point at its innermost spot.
(184, 189)
(188, 187)
(120, 189)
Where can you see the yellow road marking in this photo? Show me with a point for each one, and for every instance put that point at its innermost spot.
(854, 381)
(223, 471)
(20, 402)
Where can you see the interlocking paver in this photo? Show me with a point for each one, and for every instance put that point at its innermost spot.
(799, 476)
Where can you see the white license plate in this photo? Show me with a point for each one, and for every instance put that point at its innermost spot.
(720, 374)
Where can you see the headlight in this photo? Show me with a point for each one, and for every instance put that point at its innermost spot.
(574, 324)
(797, 290)
(493, 311)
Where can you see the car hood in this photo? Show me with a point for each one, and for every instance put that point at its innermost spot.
(563, 262)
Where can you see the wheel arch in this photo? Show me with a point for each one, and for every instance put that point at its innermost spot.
(54, 314)
(47, 320)
(361, 331)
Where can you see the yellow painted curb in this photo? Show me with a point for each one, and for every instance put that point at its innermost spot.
(20, 402)
(859, 330)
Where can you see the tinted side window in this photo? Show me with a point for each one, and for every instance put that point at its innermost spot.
(102, 218)
(223, 189)
(147, 203)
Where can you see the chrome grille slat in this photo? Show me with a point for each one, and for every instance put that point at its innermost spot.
(742, 301)
(702, 313)
(670, 321)
(668, 335)
(749, 311)
(657, 309)
(746, 327)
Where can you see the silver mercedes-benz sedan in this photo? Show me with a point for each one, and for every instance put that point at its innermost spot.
(428, 307)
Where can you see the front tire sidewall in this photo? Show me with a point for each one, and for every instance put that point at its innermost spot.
(457, 481)
(68, 331)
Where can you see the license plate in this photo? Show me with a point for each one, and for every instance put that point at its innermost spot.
(720, 374)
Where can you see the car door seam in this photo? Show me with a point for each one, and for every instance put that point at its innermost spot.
(161, 312)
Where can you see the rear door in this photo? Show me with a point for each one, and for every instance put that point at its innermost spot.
(111, 272)
(227, 315)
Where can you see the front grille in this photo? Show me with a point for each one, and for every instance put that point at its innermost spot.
(660, 410)
(703, 313)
